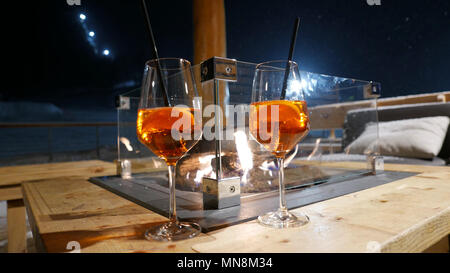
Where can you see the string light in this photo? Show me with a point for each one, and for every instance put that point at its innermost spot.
(91, 36)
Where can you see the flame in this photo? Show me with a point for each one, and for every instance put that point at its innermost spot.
(205, 159)
(245, 155)
(206, 169)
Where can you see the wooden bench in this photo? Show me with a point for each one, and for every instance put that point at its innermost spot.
(11, 179)
(408, 215)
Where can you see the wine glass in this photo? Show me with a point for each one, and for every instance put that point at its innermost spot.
(169, 124)
(279, 121)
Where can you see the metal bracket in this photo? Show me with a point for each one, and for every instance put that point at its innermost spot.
(217, 68)
(123, 103)
(375, 163)
(221, 193)
(123, 168)
(372, 90)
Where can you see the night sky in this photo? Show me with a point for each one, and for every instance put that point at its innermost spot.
(403, 44)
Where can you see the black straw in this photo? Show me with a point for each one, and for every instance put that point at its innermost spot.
(155, 53)
(291, 53)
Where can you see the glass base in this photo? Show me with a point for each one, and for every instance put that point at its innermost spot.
(283, 219)
(173, 231)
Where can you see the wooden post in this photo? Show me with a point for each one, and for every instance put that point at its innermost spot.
(209, 29)
(17, 226)
(210, 41)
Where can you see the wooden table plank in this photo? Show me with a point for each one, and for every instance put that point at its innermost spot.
(72, 209)
(363, 165)
(10, 193)
(408, 215)
(15, 175)
(17, 226)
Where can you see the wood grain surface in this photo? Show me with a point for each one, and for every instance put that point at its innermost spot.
(15, 175)
(209, 29)
(71, 209)
(408, 215)
(10, 193)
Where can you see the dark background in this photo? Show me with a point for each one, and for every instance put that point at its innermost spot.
(403, 44)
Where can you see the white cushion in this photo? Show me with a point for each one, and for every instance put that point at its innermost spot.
(417, 138)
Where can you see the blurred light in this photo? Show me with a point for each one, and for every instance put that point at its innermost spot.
(244, 153)
(106, 52)
(82, 17)
(296, 85)
(92, 34)
(127, 143)
(204, 170)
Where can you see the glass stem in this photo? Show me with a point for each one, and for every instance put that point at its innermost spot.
(172, 204)
(283, 207)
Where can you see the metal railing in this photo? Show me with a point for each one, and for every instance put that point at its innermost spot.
(51, 125)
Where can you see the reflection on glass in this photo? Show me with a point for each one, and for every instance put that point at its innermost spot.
(279, 120)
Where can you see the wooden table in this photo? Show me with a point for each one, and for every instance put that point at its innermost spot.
(408, 215)
(11, 179)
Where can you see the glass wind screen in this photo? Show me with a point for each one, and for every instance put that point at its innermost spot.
(129, 147)
(339, 110)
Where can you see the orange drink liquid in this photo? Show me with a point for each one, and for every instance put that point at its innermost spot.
(154, 130)
(281, 131)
